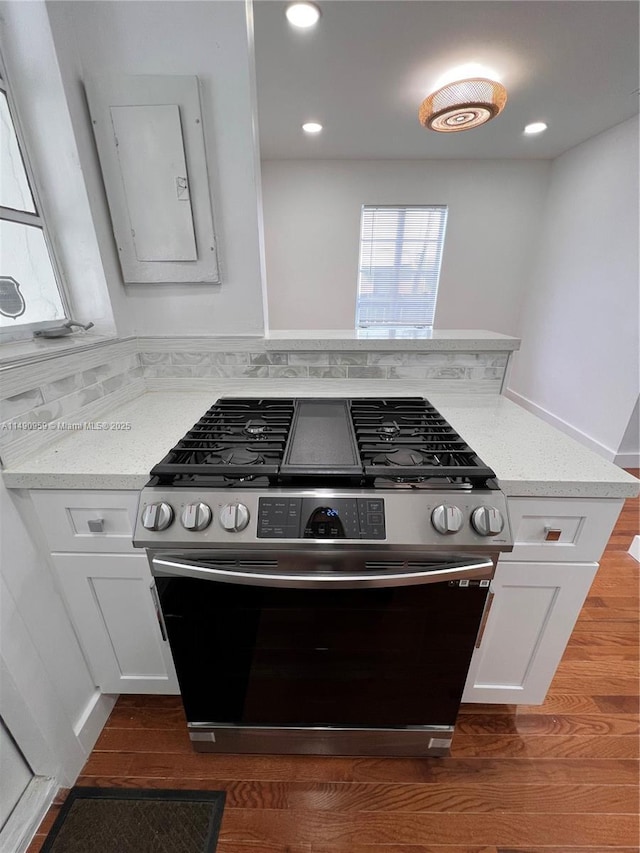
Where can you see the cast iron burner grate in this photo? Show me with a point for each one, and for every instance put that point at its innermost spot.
(406, 439)
(233, 439)
(388, 443)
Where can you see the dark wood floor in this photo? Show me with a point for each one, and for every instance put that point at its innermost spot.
(556, 778)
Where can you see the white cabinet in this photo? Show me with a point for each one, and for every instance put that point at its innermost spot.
(561, 530)
(107, 587)
(537, 592)
(111, 602)
(536, 596)
(533, 611)
(87, 521)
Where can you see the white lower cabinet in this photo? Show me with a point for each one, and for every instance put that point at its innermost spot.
(537, 594)
(538, 591)
(110, 601)
(533, 609)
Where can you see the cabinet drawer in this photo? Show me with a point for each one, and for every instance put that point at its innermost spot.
(561, 530)
(87, 521)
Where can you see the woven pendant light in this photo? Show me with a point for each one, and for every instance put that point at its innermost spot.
(463, 105)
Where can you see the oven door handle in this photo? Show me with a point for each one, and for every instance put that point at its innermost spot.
(447, 571)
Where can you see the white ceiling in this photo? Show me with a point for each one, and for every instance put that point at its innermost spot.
(365, 68)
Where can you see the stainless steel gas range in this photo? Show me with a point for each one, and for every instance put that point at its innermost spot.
(322, 569)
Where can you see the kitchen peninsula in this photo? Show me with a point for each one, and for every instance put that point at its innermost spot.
(78, 489)
(530, 458)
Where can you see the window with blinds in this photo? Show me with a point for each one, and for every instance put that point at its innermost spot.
(400, 256)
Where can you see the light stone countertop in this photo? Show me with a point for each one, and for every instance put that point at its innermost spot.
(424, 340)
(529, 457)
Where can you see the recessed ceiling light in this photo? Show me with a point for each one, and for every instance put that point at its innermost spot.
(535, 127)
(312, 127)
(303, 14)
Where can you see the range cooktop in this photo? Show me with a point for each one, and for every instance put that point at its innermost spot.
(267, 473)
(396, 442)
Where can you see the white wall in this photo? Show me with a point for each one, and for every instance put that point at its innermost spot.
(629, 449)
(312, 227)
(173, 37)
(579, 361)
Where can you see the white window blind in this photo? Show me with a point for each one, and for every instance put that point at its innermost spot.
(400, 256)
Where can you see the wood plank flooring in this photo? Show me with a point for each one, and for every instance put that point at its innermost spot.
(561, 777)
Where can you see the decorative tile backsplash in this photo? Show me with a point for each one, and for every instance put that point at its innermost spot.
(36, 416)
(80, 386)
(482, 369)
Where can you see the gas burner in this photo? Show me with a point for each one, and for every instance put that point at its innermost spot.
(388, 430)
(256, 427)
(235, 456)
(403, 457)
(354, 443)
(436, 484)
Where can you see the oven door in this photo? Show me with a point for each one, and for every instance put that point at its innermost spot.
(313, 640)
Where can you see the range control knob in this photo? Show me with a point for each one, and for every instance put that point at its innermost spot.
(234, 517)
(157, 516)
(487, 521)
(446, 519)
(196, 516)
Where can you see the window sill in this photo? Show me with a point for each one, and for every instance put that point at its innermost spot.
(14, 353)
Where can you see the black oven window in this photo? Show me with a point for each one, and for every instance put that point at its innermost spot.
(379, 657)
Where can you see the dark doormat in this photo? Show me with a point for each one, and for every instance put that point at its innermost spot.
(128, 820)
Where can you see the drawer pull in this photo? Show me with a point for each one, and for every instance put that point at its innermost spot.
(552, 534)
(96, 525)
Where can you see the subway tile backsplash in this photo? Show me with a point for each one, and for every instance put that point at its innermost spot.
(88, 389)
(484, 369)
(76, 386)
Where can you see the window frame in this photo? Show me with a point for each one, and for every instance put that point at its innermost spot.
(37, 219)
(398, 207)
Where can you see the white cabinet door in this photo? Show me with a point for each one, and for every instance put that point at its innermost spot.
(111, 603)
(533, 611)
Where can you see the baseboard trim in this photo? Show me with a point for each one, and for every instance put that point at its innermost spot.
(634, 548)
(24, 820)
(92, 720)
(628, 460)
(563, 426)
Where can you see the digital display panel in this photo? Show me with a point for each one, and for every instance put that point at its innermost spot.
(324, 523)
(285, 517)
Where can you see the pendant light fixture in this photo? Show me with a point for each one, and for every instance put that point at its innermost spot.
(463, 105)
